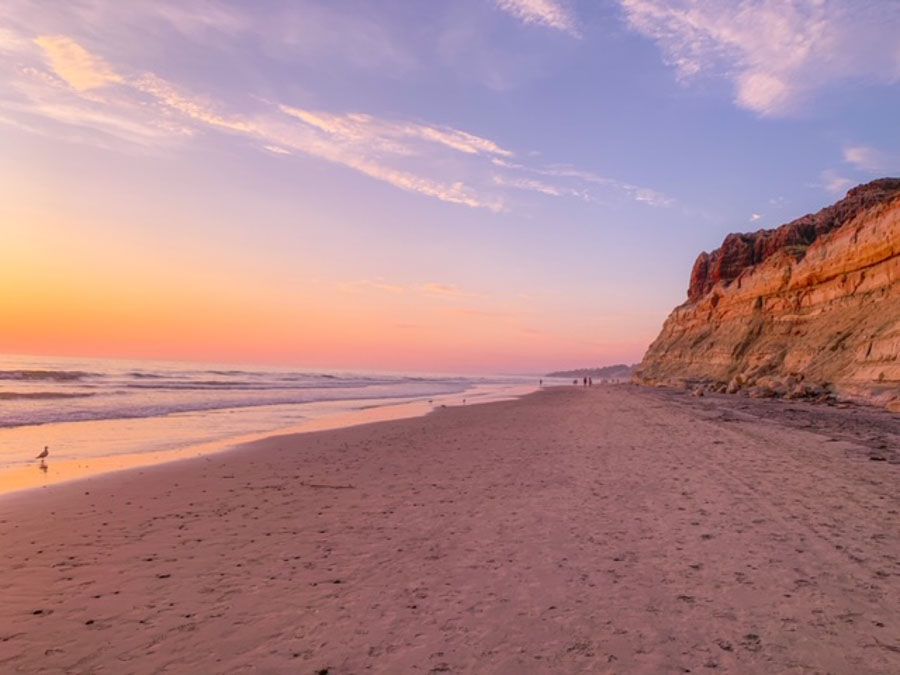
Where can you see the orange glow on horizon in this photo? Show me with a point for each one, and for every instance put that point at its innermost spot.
(75, 295)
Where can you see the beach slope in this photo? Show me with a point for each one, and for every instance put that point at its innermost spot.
(612, 529)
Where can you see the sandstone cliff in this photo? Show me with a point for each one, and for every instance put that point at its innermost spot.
(810, 308)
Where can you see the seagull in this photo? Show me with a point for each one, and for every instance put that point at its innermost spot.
(44, 453)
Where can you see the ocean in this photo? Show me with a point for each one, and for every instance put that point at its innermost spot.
(99, 415)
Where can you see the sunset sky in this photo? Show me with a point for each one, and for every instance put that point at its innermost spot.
(469, 185)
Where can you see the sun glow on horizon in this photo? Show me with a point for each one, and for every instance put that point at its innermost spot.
(471, 187)
(75, 298)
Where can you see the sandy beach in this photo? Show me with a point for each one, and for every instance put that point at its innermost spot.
(604, 530)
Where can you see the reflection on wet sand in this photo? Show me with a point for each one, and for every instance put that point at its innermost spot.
(80, 438)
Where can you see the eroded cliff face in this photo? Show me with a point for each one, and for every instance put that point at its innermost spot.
(809, 309)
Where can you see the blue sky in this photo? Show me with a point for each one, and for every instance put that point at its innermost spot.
(538, 173)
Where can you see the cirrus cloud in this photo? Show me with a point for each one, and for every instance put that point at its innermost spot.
(836, 183)
(143, 105)
(57, 86)
(72, 62)
(865, 158)
(778, 53)
(550, 13)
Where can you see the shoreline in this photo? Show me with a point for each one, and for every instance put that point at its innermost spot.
(60, 471)
(611, 529)
(237, 447)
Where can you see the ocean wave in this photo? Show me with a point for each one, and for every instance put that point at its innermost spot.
(124, 407)
(257, 385)
(40, 395)
(300, 377)
(200, 384)
(55, 375)
(256, 375)
(239, 378)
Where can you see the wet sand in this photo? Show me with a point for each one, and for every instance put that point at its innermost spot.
(612, 529)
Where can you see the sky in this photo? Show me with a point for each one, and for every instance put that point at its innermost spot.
(458, 186)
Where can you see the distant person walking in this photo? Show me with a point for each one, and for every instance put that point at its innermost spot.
(585, 381)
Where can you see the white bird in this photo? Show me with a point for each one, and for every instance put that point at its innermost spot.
(44, 453)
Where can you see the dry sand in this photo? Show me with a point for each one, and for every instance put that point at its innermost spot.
(613, 529)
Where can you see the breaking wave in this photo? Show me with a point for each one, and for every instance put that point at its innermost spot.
(54, 375)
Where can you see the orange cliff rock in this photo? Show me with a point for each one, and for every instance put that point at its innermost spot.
(811, 308)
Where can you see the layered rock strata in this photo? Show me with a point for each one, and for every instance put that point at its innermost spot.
(811, 308)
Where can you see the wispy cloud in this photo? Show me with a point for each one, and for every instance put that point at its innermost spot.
(866, 159)
(777, 54)
(531, 184)
(389, 135)
(431, 288)
(480, 313)
(447, 290)
(580, 183)
(551, 13)
(84, 109)
(72, 62)
(377, 284)
(276, 150)
(754, 217)
(57, 86)
(143, 106)
(835, 183)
